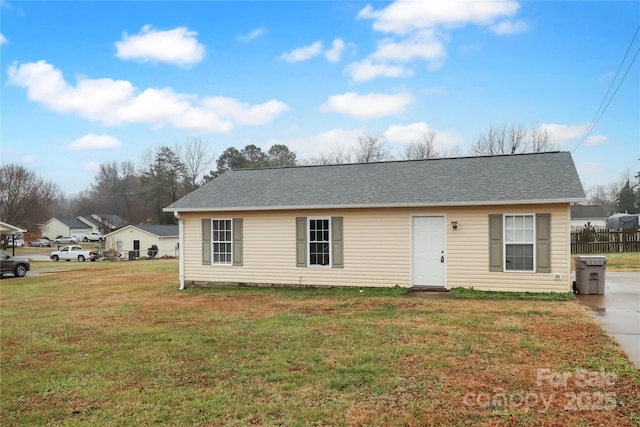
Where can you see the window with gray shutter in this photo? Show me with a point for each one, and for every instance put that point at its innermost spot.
(512, 242)
(543, 243)
(319, 242)
(222, 241)
(237, 241)
(206, 241)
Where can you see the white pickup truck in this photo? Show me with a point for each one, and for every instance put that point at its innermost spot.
(74, 252)
(94, 236)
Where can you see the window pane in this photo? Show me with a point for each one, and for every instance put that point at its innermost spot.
(528, 221)
(221, 235)
(508, 222)
(509, 235)
(528, 235)
(519, 257)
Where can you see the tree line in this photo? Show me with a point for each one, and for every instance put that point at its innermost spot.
(164, 175)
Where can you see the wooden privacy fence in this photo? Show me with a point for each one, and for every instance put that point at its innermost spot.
(605, 241)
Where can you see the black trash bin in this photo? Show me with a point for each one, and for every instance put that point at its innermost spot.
(132, 255)
(590, 274)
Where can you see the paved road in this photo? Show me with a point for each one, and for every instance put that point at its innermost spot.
(618, 311)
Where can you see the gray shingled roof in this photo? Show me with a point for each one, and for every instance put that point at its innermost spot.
(160, 230)
(72, 222)
(524, 178)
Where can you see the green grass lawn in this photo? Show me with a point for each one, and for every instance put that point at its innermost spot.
(627, 261)
(114, 344)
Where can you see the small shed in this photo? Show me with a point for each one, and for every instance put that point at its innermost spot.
(622, 221)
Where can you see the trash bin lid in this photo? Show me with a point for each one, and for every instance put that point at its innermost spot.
(593, 260)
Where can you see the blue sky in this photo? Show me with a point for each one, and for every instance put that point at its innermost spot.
(85, 83)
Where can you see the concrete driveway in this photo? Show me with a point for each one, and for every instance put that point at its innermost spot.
(618, 310)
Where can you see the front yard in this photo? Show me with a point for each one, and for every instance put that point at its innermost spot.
(118, 344)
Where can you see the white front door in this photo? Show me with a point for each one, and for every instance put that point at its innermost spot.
(428, 260)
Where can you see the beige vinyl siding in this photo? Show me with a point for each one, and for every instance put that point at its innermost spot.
(377, 249)
(378, 258)
(468, 251)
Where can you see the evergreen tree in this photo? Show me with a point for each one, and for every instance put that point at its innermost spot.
(627, 199)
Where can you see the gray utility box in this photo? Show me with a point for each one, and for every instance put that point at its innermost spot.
(590, 274)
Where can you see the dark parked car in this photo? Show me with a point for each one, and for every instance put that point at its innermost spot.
(41, 243)
(16, 265)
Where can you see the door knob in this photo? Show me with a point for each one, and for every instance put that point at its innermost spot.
(442, 258)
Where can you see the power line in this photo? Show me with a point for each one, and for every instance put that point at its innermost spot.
(598, 115)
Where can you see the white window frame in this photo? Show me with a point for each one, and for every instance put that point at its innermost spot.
(213, 242)
(309, 242)
(119, 245)
(505, 243)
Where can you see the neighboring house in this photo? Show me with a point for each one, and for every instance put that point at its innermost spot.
(81, 225)
(10, 229)
(65, 227)
(139, 238)
(493, 223)
(582, 216)
(10, 233)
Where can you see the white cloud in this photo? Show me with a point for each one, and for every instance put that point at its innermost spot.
(9, 7)
(595, 140)
(361, 71)
(405, 134)
(115, 102)
(303, 53)
(178, 46)
(253, 34)
(421, 45)
(510, 27)
(369, 106)
(420, 29)
(30, 160)
(95, 142)
(333, 54)
(402, 17)
(245, 113)
(3, 39)
(91, 167)
(562, 135)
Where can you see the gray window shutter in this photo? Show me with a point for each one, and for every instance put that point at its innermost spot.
(336, 242)
(237, 241)
(206, 242)
(495, 242)
(543, 243)
(301, 241)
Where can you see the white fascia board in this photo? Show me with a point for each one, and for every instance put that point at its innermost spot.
(377, 205)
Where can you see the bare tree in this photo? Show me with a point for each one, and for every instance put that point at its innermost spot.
(337, 155)
(540, 140)
(422, 149)
(371, 148)
(196, 158)
(605, 196)
(515, 139)
(25, 199)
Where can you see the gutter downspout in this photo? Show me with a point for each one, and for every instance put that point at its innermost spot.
(180, 248)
